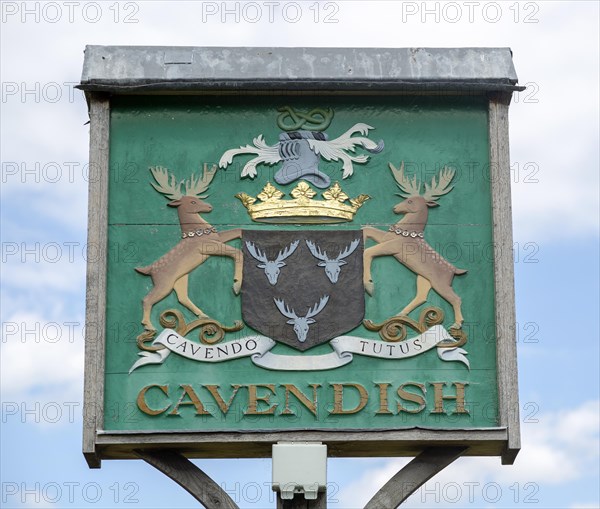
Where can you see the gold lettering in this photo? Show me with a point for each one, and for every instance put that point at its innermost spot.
(311, 405)
(141, 400)
(439, 398)
(409, 396)
(254, 398)
(214, 390)
(383, 399)
(338, 394)
(194, 400)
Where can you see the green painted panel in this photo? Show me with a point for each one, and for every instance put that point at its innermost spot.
(184, 133)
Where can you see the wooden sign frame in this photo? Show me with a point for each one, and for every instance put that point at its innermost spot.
(495, 80)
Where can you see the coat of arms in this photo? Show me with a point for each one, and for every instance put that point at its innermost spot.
(301, 287)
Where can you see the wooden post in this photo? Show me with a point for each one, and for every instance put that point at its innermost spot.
(299, 502)
(204, 489)
(422, 468)
(95, 312)
(508, 390)
(195, 481)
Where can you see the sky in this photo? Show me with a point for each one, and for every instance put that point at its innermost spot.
(554, 169)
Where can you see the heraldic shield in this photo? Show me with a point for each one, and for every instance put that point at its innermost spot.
(303, 288)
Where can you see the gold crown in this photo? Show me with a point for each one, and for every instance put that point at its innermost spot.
(302, 209)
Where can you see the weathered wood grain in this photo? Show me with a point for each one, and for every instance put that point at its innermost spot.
(412, 476)
(486, 442)
(191, 478)
(96, 275)
(508, 391)
(299, 502)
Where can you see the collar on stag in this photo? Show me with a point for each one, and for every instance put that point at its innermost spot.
(405, 233)
(198, 233)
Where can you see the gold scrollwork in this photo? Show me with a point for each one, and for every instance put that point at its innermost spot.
(458, 334)
(394, 329)
(172, 319)
(211, 331)
(146, 337)
(429, 317)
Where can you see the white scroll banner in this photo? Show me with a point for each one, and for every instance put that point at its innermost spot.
(345, 346)
(258, 348)
(174, 342)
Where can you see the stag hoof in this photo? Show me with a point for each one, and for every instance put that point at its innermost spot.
(148, 327)
(369, 287)
(237, 286)
(456, 325)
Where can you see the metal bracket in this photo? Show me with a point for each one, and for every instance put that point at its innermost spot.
(204, 489)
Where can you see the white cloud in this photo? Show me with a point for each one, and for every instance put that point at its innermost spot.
(37, 267)
(559, 133)
(28, 499)
(562, 447)
(41, 358)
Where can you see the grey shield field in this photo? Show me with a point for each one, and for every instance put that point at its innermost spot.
(303, 293)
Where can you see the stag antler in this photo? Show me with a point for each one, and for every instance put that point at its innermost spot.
(287, 252)
(322, 255)
(348, 250)
(282, 255)
(167, 183)
(316, 309)
(256, 252)
(313, 311)
(316, 251)
(440, 188)
(409, 187)
(195, 187)
(168, 186)
(285, 310)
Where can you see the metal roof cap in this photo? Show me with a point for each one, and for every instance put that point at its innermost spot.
(156, 69)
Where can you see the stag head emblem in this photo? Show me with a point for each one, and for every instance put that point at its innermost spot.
(194, 188)
(272, 267)
(301, 323)
(333, 266)
(410, 189)
(286, 311)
